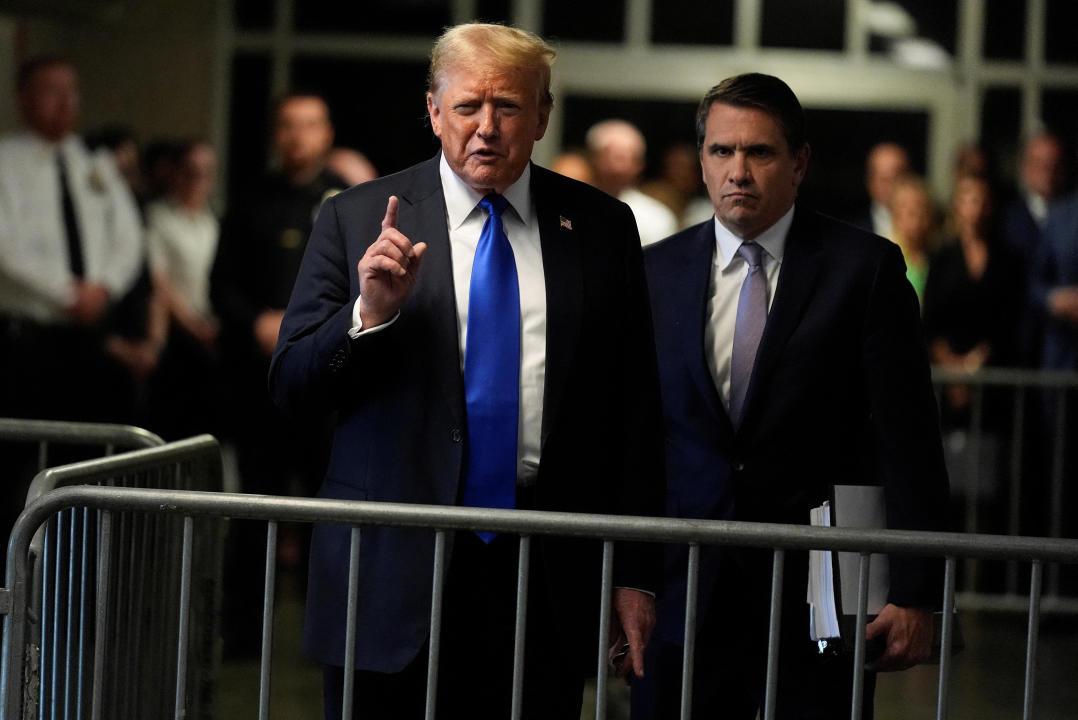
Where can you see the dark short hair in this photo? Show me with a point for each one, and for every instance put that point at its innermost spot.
(31, 66)
(301, 93)
(760, 92)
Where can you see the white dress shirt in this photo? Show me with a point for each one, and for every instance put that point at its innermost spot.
(35, 277)
(882, 222)
(181, 246)
(654, 221)
(465, 221)
(728, 272)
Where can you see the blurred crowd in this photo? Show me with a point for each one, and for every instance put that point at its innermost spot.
(125, 297)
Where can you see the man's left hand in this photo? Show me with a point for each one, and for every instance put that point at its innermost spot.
(908, 635)
(635, 611)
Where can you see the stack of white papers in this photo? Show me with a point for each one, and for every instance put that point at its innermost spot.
(832, 585)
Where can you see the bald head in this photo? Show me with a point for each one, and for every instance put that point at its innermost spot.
(885, 163)
(618, 151)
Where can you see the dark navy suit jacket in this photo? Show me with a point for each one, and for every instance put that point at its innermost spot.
(401, 422)
(840, 394)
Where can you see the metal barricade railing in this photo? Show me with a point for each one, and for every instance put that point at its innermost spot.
(44, 433)
(68, 608)
(1019, 390)
(111, 502)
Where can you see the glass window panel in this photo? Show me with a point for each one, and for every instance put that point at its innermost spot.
(1059, 111)
(248, 133)
(253, 14)
(594, 21)
(1005, 29)
(1062, 23)
(493, 11)
(397, 134)
(806, 24)
(693, 23)
(1001, 128)
(394, 17)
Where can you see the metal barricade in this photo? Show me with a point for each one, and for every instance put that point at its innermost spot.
(1023, 398)
(112, 503)
(45, 432)
(69, 608)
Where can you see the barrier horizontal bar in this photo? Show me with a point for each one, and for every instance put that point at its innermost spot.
(77, 433)
(133, 461)
(1014, 377)
(532, 522)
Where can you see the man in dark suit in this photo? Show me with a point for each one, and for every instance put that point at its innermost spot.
(790, 358)
(386, 326)
(886, 162)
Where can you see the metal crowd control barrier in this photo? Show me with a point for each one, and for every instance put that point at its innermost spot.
(45, 432)
(96, 591)
(111, 503)
(1048, 391)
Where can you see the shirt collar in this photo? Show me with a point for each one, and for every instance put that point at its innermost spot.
(772, 240)
(461, 200)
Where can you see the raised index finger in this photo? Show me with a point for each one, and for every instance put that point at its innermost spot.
(390, 220)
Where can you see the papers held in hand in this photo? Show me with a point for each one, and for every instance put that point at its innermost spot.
(832, 585)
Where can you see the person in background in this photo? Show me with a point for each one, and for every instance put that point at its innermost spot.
(886, 161)
(1043, 178)
(574, 163)
(262, 242)
(913, 218)
(182, 232)
(70, 250)
(618, 153)
(350, 165)
(974, 293)
(679, 185)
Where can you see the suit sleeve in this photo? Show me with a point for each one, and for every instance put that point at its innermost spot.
(643, 465)
(905, 424)
(316, 362)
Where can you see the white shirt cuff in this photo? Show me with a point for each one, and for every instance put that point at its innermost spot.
(357, 328)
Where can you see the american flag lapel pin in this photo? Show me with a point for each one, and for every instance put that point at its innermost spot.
(565, 222)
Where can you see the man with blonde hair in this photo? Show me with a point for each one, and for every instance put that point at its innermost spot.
(481, 327)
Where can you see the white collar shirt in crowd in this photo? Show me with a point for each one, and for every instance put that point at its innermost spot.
(728, 271)
(882, 224)
(1038, 207)
(35, 276)
(654, 220)
(465, 219)
(182, 245)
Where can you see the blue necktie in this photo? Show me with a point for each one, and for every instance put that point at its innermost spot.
(748, 327)
(492, 368)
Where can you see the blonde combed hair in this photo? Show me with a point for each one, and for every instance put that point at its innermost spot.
(508, 47)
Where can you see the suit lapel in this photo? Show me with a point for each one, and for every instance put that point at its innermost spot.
(422, 218)
(797, 280)
(563, 273)
(692, 294)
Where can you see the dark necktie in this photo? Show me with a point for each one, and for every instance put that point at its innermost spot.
(748, 328)
(71, 221)
(492, 368)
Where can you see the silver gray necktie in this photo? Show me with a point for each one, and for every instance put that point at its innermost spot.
(748, 328)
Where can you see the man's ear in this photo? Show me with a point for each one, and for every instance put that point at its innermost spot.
(801, 162)
(544, 120)
(435, 115)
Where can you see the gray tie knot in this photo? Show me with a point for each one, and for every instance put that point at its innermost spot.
(752, 254)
